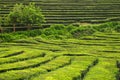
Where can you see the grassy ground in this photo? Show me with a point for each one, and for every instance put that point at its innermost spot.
(93, 57)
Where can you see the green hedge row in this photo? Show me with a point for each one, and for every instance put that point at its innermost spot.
(60, 31)
(7, 37)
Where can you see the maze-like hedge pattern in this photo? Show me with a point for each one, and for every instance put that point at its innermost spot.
(92, 57)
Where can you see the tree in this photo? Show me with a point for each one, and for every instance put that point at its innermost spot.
(1, 25)
(25, 14)
(32, 15)
(15, 16)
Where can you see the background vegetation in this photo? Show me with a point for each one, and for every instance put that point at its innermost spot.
(59, 31)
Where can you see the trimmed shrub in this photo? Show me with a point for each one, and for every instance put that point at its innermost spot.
(57, 29)
(106, 27)
(117, 28)
(6, 37)
(82, 31)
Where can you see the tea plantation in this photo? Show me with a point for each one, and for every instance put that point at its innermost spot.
(71, 11)
(72, 48)
(62, 53)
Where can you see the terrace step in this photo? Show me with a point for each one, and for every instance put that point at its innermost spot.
(72, 11)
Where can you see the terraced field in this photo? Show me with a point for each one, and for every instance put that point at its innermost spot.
(71, 11)
(64, 52)
(95, 57)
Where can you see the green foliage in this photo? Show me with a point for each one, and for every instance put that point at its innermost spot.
(82, 31)
(57, 27)
(29, 33)
(66, 59)
(0, 24)
(117, 28)
(59, 31)
(71, 72)
(6, 37)
(54, 29)
(106, 69)
(107, 27)
(15, 16)
(70, 28)
(0, 21)
(32, 15)
(25, 14)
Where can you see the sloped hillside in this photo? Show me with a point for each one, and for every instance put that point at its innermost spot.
(71, 11)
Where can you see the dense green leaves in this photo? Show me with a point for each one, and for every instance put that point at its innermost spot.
(0, 21)
(107, 27)
(82, 31)
(15, 16)
(117, 28)
(18, 35)
(59, 31)
(32, 15)
(25, 15)
(0, 24)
